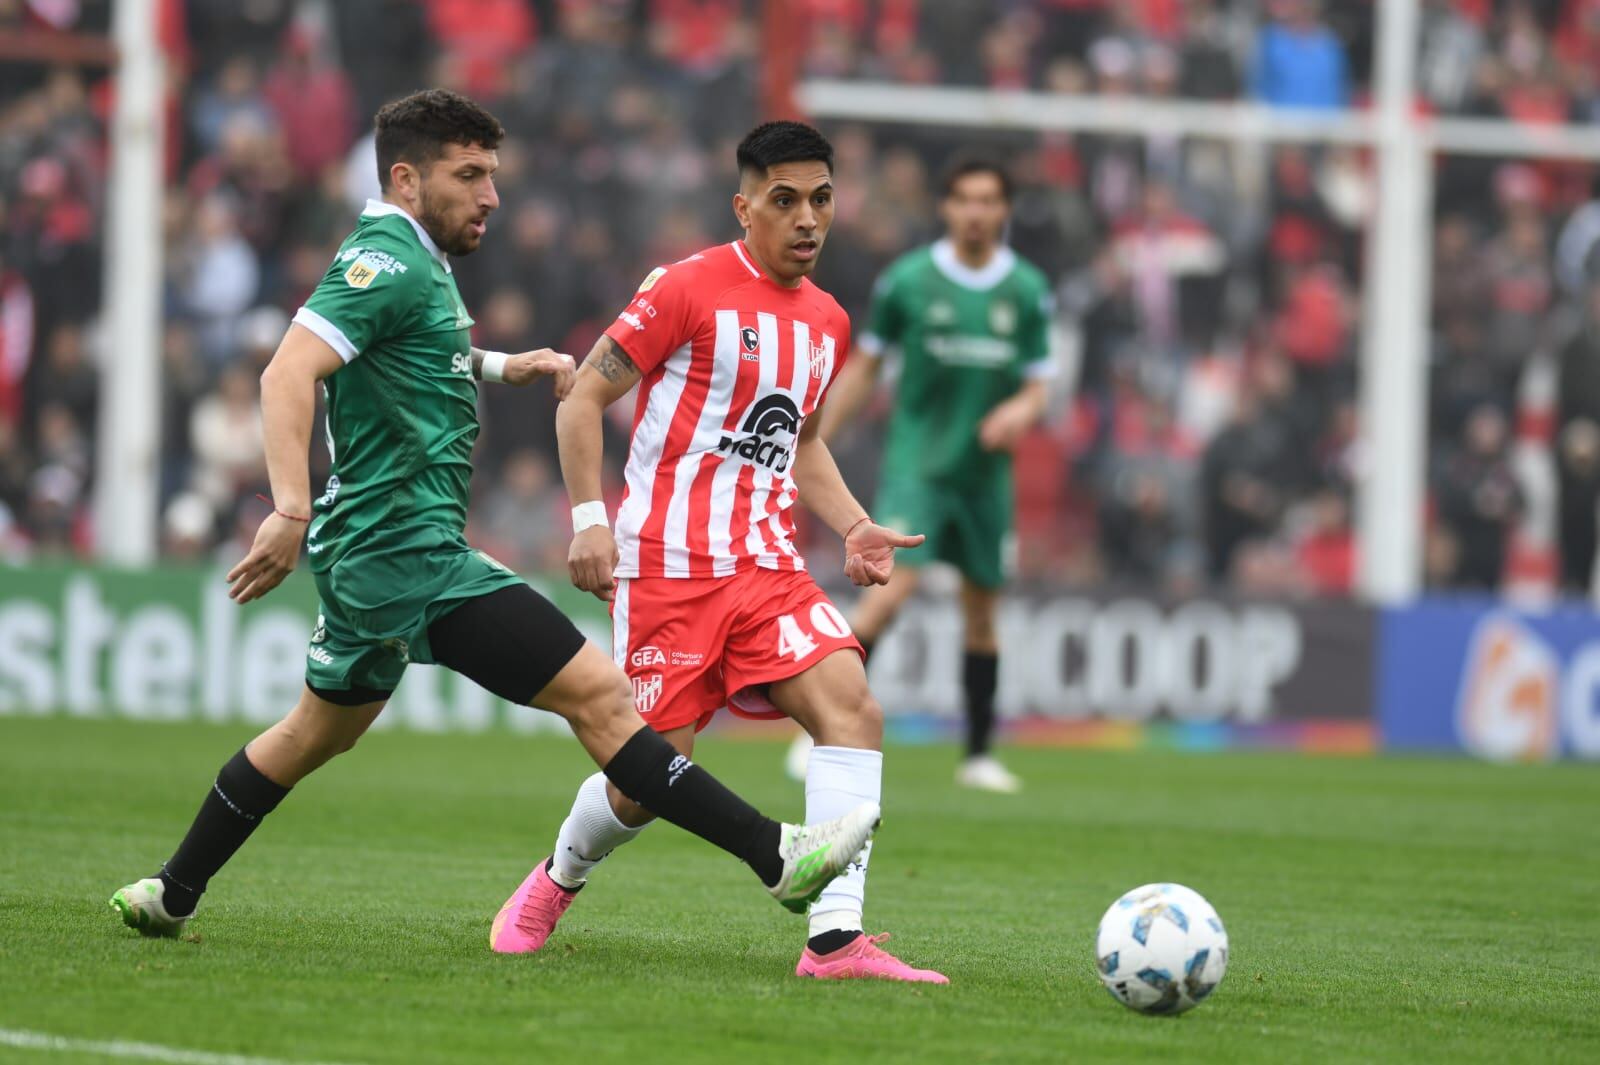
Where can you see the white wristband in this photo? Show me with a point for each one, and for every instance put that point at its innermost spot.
(494, 365)
(587, 515)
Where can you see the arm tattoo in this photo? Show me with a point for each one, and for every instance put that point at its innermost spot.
(477, 364)
(610, 361)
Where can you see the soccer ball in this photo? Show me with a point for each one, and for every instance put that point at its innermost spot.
(1161, 949)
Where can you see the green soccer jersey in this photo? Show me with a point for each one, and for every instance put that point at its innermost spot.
(402, 411)
(968, 339)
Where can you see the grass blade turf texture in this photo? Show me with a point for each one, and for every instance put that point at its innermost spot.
(1379, 909)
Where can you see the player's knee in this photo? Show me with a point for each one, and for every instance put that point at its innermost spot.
(855, 720)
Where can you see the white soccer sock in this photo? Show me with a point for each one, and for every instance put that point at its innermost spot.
(590, 832)
(838, 779)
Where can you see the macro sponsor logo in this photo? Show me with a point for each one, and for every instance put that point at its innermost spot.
(320, 655)
(772, 417)
(1508, 709)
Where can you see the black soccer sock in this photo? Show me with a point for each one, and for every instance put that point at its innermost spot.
(828, 942)
(233, 808)
(651, 772)
(979, 676)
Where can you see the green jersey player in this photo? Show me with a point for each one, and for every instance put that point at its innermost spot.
(387, 336)
(970, 322)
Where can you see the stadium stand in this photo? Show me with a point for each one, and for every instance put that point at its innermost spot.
(1213, 296)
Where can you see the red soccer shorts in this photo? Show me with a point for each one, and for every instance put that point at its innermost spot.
(693, 646)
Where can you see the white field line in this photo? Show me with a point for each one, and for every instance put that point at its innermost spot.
(122, 1048)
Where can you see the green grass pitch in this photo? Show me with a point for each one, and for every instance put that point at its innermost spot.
(1380, 910)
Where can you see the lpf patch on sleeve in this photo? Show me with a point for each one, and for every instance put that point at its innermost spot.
(361, 273)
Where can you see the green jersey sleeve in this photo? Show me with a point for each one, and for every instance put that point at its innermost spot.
(886, 315)
(368, 293)
(1033, 333)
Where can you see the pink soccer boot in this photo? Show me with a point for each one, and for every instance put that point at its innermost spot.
(530, 914)
(863, 959)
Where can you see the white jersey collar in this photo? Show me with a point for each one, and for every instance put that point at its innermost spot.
(378, 208)
(984, 277)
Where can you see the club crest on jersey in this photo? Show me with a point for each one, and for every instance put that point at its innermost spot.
(819, 361)
(646, 692)
(774, 416)
(750, 340)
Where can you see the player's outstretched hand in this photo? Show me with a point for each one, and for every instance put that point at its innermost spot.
(869, 552)
(1003, 427)
(272, 558)
(528, 367)
(592, 560)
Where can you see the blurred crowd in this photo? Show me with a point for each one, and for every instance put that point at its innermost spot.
(1209, 293)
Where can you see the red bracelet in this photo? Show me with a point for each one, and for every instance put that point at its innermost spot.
(852, 528)
(280, 513)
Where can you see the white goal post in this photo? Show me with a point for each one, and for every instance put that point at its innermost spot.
(128, 443)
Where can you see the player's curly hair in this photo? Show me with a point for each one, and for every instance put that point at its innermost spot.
(772, 143)
(416, 128)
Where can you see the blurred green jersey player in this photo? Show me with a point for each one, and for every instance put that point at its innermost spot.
(970, 323)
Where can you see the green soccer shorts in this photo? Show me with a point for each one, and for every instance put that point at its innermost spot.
(967, 526)
(376, 609)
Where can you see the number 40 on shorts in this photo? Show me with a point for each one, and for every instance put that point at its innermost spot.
(825, 619)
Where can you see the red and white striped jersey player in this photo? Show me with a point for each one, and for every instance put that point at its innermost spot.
(733, 351)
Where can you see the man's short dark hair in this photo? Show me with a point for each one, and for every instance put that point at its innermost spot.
(416, 128)
(967, 165)
(772, 143)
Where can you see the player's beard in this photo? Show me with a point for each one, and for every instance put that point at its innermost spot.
(452, 241)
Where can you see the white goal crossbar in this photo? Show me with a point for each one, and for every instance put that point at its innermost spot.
(885, 102)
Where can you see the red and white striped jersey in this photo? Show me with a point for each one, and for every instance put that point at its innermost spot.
(733, 364)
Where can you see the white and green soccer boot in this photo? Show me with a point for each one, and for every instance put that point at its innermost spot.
(814, 854)
(141, 907)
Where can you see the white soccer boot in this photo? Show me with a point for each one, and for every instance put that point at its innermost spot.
(814, 854)
(984, 773)
(141, 907)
